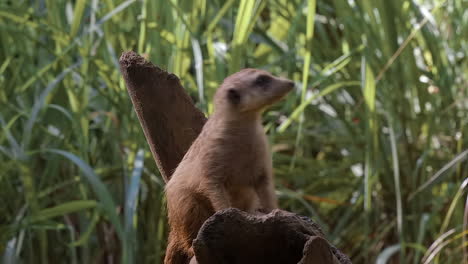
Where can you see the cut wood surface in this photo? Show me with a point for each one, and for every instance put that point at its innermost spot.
(171, 122)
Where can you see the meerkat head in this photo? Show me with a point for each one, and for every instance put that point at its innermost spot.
(251, 90)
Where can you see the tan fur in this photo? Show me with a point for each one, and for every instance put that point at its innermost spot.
(229, 164)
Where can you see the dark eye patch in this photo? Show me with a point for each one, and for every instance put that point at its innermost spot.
(234, 96)
(262, 80)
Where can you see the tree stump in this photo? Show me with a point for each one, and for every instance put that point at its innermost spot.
(171, 122)
(236, 237)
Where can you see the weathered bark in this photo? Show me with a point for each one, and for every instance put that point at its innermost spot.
(169, 119)
(171, 122)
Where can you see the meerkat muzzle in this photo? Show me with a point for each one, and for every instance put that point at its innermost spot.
(284, 87)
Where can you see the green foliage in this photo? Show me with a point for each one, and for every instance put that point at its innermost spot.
(373, 144)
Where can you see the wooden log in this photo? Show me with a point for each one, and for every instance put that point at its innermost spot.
(236, 237)
(169, 119)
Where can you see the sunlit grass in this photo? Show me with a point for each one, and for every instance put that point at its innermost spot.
(373, 144)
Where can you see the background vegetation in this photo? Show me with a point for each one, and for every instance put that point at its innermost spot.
(372, 145)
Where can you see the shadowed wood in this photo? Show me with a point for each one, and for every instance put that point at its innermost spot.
(169, 119)
(236, 237)
(317, 250)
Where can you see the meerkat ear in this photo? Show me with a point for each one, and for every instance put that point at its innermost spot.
(233, 96)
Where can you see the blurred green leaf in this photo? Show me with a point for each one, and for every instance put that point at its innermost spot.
(63, 209)
(106, 201)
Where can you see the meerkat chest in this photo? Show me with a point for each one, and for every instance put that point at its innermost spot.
(247, 159)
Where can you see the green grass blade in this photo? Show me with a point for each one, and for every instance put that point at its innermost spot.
(77, 15)
(368, 87)
(40, 103)
(131, 204)
(311, 5)
(115, 11)
(63, 209)
(143, 26)
(15, 150)
(439, 175)
(241, 32)
(105, 199)
(386, 254)
(300, 109)
(398, 195)
(84, 237)
(198, 57)
(451, 208)
(420, 238)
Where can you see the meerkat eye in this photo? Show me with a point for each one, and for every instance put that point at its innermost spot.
(262, 80)
(233, 96)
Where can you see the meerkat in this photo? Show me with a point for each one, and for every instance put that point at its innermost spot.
(229, 164)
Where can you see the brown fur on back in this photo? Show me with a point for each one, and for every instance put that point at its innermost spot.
(229, 164)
